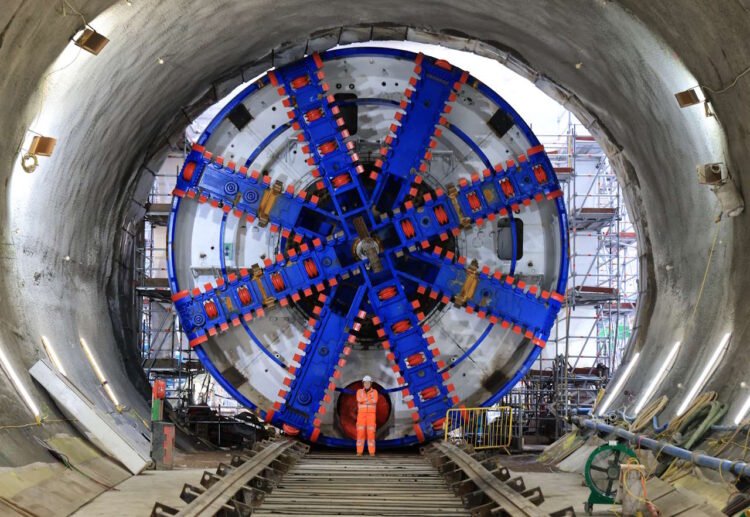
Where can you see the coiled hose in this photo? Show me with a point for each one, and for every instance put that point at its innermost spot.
(648, 413)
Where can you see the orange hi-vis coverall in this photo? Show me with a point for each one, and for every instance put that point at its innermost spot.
(367, 403)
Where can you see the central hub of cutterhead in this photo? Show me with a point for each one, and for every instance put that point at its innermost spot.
(367, 247)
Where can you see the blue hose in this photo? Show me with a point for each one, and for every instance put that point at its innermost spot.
(739, 468)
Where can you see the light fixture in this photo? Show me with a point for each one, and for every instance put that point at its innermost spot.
(53, 356)
(717, 176)
(689, 97)
(91, 41)
(707, 370)
(100, 375)
(40, 146)
(618, 386)
(25, 395)
(656, 381)
(743, 411)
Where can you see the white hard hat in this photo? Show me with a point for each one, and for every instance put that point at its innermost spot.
(366, 378)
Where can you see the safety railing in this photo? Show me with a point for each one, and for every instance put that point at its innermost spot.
(480, 427)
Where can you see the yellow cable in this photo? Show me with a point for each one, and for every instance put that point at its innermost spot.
(705, 272)
(35, 424)
(702, 400)
(649, 412)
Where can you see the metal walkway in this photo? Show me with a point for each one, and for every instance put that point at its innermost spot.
(341, 484)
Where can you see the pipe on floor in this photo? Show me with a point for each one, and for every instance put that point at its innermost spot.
(739, 468)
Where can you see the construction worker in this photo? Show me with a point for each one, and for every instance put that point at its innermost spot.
(367, 403)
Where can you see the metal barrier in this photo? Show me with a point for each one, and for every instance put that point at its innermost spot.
(480, 427)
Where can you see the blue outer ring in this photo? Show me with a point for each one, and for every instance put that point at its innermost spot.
(489, 93)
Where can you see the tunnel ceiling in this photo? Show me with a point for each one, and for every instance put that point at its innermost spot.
(622, 61)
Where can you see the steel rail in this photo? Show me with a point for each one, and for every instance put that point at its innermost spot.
(506, 498)
(212, 501)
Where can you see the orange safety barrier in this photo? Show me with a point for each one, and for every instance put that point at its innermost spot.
(480, 427)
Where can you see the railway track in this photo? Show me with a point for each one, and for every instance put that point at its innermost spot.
(282, 478)
(337, 483)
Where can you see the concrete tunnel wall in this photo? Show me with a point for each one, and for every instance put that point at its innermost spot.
(118, 106)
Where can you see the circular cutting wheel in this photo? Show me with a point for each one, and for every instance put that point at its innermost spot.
(602, 471)
(367, 211)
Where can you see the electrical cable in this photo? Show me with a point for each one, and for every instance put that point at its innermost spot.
(705, 273)
(730, 86)
(652, 508)
(689, 433)
(648, 413)
(676, 468)
(35, 424)
(66, 461)
(696, 405)
(65, 3)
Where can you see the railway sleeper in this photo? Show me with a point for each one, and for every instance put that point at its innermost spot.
(190, 492)
(209, 479)
(253, 496)
(263, 484)
(162, 510)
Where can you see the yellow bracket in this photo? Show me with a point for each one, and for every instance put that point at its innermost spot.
(453, 196)
(268, 301)
(267, 202)
(470, 285)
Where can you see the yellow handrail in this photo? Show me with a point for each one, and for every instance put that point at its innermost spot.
(480, 427)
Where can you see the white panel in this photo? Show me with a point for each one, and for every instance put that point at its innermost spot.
(124, 443)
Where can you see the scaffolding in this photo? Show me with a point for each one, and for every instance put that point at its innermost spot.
(593, 328)
(165, 351)
(586, 343)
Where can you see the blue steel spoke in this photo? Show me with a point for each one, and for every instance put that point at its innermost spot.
(496, 192)
(210, 179)
(412, 353)
(311, 383)
(315, 115)
(408, 148)
(242, 296)
(527, 310)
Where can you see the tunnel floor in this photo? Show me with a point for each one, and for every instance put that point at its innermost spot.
(328, 482)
